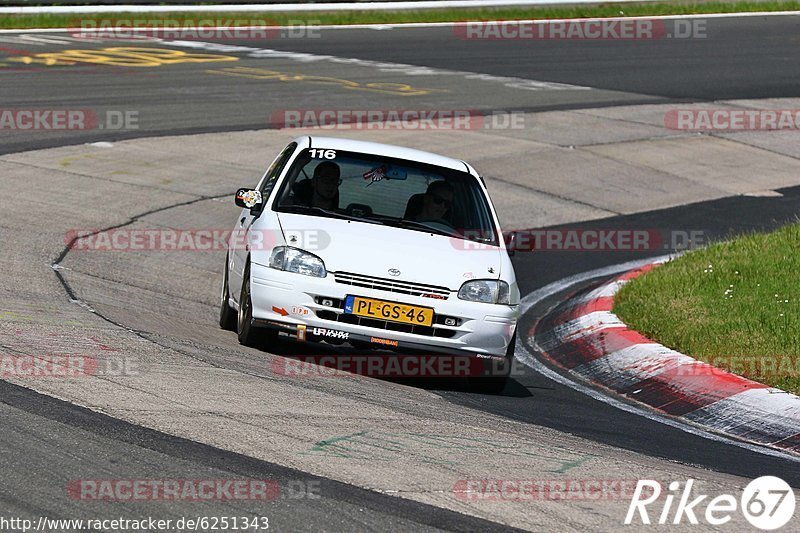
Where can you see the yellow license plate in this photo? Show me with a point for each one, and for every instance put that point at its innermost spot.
(392, 311)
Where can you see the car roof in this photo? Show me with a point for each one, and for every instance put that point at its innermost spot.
(389, 150)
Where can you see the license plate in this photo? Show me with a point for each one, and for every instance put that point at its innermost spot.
(391, 311)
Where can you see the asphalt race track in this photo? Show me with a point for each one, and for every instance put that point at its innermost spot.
(355, 453)
(738, 59)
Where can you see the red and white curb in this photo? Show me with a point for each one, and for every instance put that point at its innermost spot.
(583, 337)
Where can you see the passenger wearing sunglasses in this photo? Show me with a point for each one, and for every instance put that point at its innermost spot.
(436, 202)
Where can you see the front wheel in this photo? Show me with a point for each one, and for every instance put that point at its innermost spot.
(248, 335)
(244, 328)
(227, 315)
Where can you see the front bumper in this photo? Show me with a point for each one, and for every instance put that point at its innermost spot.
(293, 303)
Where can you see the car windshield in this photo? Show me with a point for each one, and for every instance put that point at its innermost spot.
(382, 190)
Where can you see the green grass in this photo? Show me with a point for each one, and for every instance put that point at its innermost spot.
(427, 15)
(734, 304)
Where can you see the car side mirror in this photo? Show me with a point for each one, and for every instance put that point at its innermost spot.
(248, 198)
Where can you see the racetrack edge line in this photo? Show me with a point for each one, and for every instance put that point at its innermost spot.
(527, 357)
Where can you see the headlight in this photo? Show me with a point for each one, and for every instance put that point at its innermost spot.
(297, 261)
(485, 290)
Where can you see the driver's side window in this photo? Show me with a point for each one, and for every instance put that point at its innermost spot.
(275, 169)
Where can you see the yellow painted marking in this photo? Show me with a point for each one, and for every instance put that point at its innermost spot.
(39, 59)
(122, 57)
(397, 89)
(67, 161)
(401, 89)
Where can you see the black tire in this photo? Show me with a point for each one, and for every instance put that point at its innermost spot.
(495, 384)
(227, 315)
(244, 327)
(248, 335)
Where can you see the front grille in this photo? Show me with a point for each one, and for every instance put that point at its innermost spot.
(394, 326)
(391, 285)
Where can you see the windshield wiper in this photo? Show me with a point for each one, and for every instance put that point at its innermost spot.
(310, 209)
(406, 223)
(324, 212)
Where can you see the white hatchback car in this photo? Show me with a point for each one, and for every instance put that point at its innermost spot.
(376, 245)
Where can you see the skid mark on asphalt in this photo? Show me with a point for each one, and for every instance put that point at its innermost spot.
(428, 447)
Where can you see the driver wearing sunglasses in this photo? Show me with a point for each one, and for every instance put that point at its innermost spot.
(437, 201)
(325, 183)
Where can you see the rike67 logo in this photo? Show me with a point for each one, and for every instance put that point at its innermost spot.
(767, 503)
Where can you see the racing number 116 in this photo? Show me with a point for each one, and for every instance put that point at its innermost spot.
(327, 154)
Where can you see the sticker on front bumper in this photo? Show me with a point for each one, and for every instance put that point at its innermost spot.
(386, 342)
(330, 333)
(300, 311)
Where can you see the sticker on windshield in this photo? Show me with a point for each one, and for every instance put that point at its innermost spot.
(384, 172)
(376, 174)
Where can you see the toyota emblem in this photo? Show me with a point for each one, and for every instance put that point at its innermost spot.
(394, 272)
